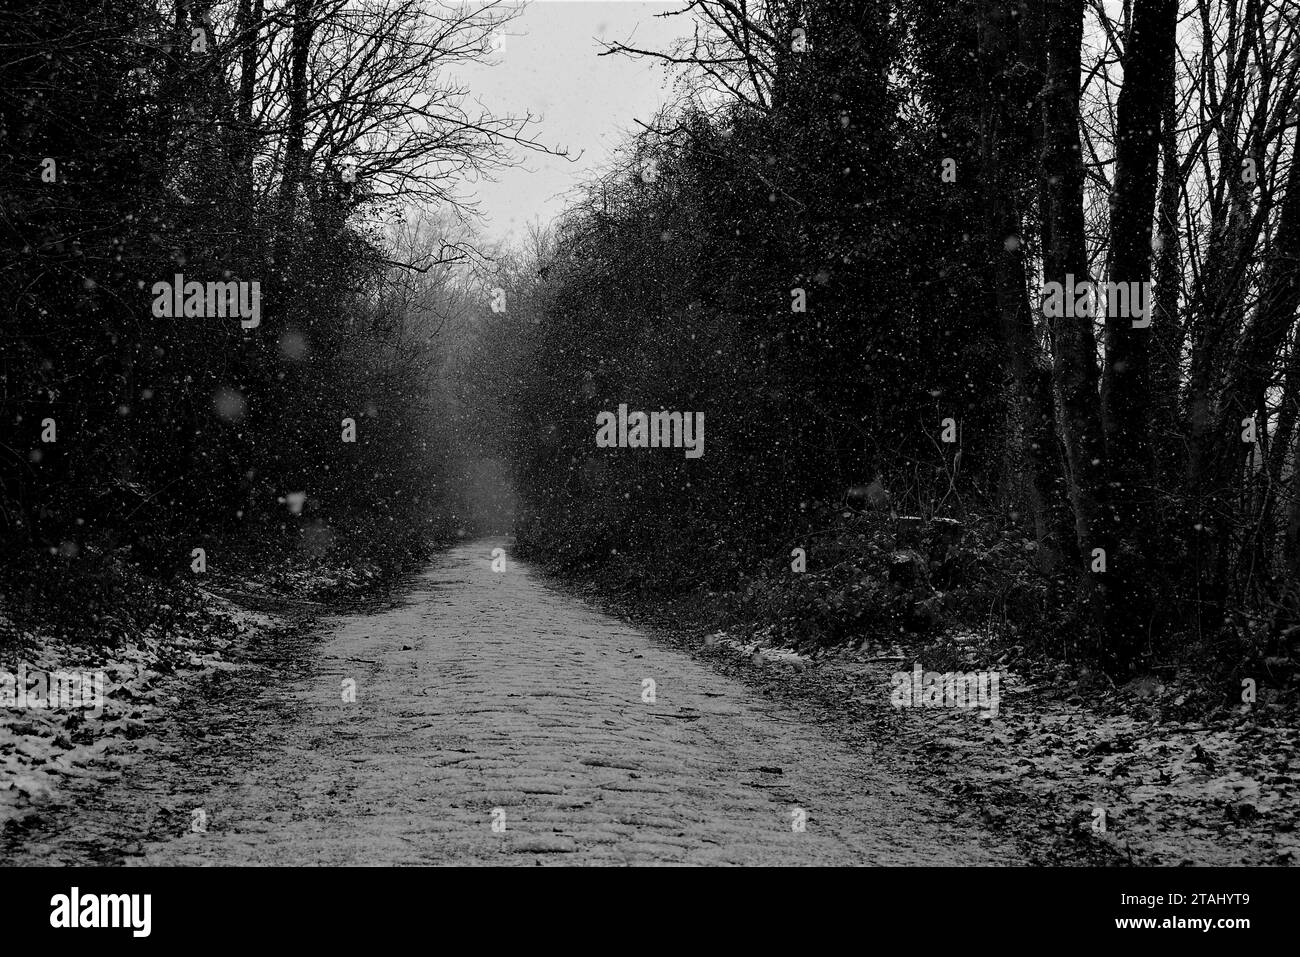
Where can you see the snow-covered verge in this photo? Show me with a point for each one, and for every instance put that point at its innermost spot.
(1077, 770)
(1088, 772)
(113, 623)
(757, 651)
(317, 581)
(108, 621)
(42, 746)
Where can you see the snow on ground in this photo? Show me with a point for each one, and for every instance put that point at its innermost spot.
(482, 691)
(1119, 769)
(488, 698)
(41, 747)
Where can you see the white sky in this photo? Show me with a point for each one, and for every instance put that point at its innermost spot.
(582, 101)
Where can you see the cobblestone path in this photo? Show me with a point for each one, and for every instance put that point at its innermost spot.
(498, 721)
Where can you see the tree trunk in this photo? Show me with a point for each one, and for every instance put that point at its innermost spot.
(1167, 328)
(1064, 254)
(1263, 344)
(1007, 128)
(1126, 386)
(248, 25)
(171, 90)
(296, 128)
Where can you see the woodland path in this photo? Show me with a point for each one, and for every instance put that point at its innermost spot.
(488, 697)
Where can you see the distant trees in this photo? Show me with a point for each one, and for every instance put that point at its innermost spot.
(781, 268)
(924, 172)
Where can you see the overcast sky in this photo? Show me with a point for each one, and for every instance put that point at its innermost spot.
(584, 102)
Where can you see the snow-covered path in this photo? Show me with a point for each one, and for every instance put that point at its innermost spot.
(487, 698)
